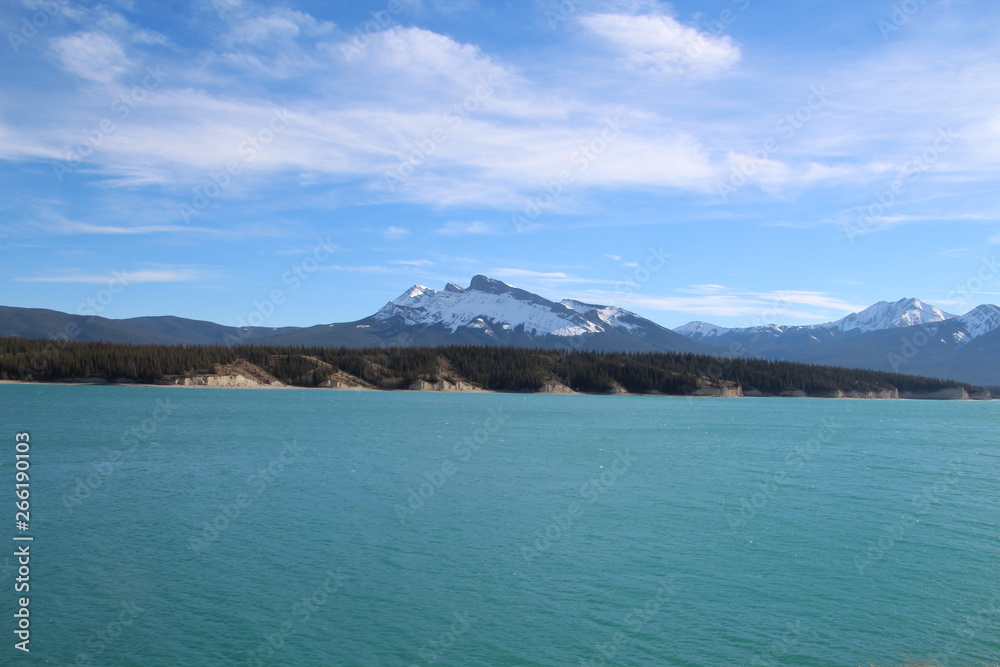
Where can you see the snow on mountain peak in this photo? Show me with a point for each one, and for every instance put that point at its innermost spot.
(485, 301)
(611, 315)
(881, 316)
(410, 295)
(700, 329)
(886, 315)
(579, 306)
(980, 320)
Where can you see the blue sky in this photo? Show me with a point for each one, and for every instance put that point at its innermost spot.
(734, 161)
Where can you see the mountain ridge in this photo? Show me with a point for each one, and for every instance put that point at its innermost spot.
(902, 336)
(907, 335)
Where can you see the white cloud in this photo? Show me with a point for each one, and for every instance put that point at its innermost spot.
(614, 257)
(52, 221)
(755, 308)
(363, 116)
(396, 270)
(526, 273)
(278, 42)
(467, 228)
(265, 30)
(418, 57)
(659, 43)
(412, 262)
(161, 275)
(365, 119)
(394, 232)
(703, 289)
(92, 55)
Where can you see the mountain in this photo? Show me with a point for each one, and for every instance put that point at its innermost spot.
(979, 321)
(906, 336)
(487, 312)
(165, 330)
(881, 316)
(884, 315)
(491, 312)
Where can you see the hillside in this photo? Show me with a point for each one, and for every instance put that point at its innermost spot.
(456, 368)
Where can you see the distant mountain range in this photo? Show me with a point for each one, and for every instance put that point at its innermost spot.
(907, 336)
(487, 312)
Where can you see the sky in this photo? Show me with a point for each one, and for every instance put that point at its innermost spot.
(735, 161)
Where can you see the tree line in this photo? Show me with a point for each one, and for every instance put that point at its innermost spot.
(494, 368)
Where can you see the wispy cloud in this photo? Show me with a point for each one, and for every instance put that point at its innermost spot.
(621, 118)
(465, 228)
(394, 232)
(127, 276)
(412, 262)
(661, 44)
(526, 273)
(703, 289)
(753, 308)
(69, 227)
(92, 55)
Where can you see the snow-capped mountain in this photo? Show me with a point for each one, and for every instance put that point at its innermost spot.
(486, 304)
(491, 311)
(698, 329)
(905, 336)
(879, 317)
(979, 321)
(885, 315)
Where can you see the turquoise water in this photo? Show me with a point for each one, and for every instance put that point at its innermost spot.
(308, 527)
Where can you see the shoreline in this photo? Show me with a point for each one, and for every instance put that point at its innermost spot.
(563, 391)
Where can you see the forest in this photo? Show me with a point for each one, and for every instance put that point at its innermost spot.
(492, 368)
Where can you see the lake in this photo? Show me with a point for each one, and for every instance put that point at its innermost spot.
(307, 527)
